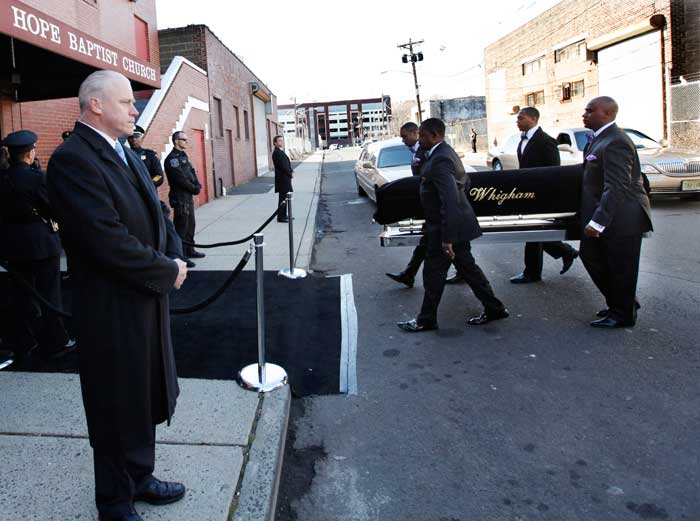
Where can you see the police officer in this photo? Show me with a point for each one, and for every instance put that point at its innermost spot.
(31, 247)
(183, 185)
(149, 157)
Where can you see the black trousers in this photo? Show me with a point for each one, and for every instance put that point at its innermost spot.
(533, 255)
(118, 475)
(32, 322)
(283, 215)
(435, 272)
(183, 220)
(417, 257)
(613, 264)
(474, 146)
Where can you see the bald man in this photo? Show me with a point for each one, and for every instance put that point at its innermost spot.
(615, 213)
(119, 248)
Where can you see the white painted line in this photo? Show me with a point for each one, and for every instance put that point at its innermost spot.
(348, 348)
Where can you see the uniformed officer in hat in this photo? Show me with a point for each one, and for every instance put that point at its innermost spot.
(149, 157)
(31, 248)
(184, 184)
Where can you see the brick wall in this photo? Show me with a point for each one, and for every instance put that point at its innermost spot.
(229, 82)
(685, 16)
(506, 86)
(188, 82)
(110, 21)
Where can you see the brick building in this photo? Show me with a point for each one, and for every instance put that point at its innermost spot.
(632, 50)
(47, 47)
(243, 110)
(338, 122)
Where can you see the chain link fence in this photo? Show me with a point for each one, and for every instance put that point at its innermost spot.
(685, 115)
(457, 134)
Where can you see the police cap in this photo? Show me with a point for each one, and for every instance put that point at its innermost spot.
(21, 138)
(138, 131)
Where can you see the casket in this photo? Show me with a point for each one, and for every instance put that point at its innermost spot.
(534, 204)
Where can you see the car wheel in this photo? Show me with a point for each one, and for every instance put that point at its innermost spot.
(497, 165)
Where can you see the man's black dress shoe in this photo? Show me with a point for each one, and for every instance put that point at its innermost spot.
(604, 312)
(611, 323)
(454, 279)
(128, 517)
(59, 351)
(189, 263)
(402, 278)
(524, 279)
(568, 260)
(157, 492)
(488, 316)
(412, 326)
(197, 255)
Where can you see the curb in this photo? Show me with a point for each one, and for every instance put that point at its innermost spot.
(258, 499)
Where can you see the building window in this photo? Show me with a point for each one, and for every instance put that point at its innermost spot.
(246, 126)
(533, 99)
(572, 90)
(533, 66)
(143, 50)
(218, 114)
(570, 52)
(238, 122)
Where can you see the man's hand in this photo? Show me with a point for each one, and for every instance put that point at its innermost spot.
(589, 231)
(447, 248)
(181, 273)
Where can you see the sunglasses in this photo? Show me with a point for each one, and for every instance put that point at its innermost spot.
(181, 139)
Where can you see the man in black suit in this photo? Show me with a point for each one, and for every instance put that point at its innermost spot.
(450, 225)
(537, 149)
(118, 245)
(615, 213)
(30, 245)
(283, 176)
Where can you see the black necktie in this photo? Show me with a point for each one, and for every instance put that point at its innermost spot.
(523, 137)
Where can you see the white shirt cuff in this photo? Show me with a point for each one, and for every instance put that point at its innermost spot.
(597, 227)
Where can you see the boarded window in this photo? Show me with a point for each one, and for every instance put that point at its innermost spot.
(143, 50)
(246, 125)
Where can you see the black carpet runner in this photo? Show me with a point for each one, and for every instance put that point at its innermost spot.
(303, 330)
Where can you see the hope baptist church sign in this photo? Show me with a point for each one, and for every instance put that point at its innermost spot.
(25, 23)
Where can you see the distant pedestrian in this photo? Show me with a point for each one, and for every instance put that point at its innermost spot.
(472, 136)
(184, 184)
(283, 176)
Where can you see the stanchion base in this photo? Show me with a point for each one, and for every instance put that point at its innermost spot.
(275, 377)
(296, 273)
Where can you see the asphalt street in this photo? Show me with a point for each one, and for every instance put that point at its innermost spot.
(536, 417)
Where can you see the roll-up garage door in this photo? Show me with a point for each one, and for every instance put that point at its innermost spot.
(262, 154)
(630, 72)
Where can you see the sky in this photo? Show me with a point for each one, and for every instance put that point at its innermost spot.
(318, 50)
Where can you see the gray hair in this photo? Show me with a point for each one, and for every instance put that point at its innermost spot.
(94, 86)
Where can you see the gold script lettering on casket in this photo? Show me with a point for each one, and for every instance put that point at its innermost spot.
(491, 194)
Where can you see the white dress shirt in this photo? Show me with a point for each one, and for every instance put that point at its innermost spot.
(430, 152)
(528, 137)
(112, 142)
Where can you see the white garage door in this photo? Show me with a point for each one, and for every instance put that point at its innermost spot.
(630, 72)
(261, 151)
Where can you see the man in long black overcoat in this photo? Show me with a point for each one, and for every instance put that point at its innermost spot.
(283, 176)
(118, 245)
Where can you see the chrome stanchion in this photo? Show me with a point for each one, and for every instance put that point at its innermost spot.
(261, 377)
(292, 272)
(5, 359)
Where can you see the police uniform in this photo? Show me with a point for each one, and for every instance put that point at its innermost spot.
(149, 158)
(183, 186)
(31, 247)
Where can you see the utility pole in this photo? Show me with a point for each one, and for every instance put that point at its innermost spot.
(413, 58)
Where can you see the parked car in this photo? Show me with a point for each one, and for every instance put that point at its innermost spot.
(381, 162)
(670, 172)
(333, 146)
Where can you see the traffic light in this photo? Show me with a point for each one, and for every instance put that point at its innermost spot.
(404, 58)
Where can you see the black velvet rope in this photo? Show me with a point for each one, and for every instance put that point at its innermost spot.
(240, 241)
(204, 303)
(173, 311)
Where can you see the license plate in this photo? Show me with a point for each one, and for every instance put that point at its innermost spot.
(690, 185)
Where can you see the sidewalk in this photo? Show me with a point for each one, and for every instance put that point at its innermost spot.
(225, 444)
